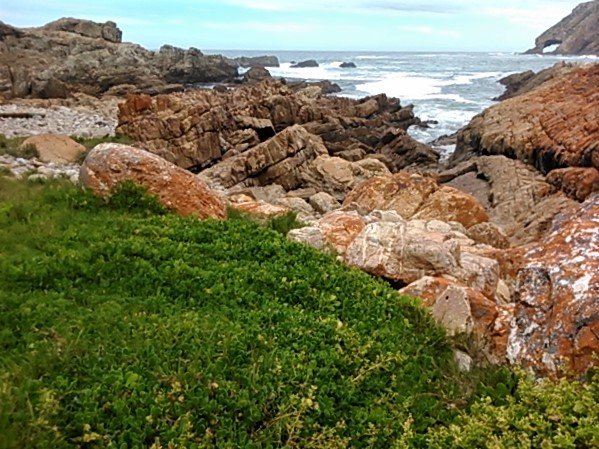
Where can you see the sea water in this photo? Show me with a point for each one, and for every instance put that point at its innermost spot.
(449, 88)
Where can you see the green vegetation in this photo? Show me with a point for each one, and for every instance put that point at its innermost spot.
(124, 326)
(91, 142)
(13, 145)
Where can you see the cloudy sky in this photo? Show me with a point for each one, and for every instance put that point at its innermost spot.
(401, 25)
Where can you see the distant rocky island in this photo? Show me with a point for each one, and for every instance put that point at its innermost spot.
(577, 34)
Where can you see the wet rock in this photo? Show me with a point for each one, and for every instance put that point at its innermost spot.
(310, 63)
(556, 321)
(256, 74)
(256, 61)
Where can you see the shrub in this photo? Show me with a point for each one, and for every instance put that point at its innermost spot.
(541, 414)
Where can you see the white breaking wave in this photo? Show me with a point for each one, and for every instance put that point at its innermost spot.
(367, 57)
(409, 87)
(328, 71)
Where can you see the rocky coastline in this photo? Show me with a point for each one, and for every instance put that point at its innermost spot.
(576, 34)
(501, 243)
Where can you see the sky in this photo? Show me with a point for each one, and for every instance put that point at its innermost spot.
(341, 25)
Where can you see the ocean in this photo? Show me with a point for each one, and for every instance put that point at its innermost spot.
(449, 88)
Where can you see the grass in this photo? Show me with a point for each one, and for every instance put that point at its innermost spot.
(13, 146)
(124, 326)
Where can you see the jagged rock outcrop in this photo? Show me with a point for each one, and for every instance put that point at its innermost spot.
(109, 164)
(72, 55)
(520, 83)
(517, 198)
(553, 126)
(576, 34)
(198, 129)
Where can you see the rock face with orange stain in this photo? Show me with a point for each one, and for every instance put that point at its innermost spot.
(553, 126)
(461, 310)
(576, 182)
(415, 196)
(334, 232)
(109, 164)
(556, 319)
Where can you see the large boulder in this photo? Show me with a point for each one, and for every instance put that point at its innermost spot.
(109, 164)
(256, 74)
(55, 148)
(553, 126)
(576, 34)
(403, 251)
(338, 177)
(555, 326)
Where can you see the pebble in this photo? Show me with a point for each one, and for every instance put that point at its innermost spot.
(35, 170)
(56, 120)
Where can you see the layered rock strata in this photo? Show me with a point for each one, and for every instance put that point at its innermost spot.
(553, 126)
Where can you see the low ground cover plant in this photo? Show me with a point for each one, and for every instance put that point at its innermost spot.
(125, 326)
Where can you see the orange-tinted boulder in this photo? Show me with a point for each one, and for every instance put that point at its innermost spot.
(109, 164)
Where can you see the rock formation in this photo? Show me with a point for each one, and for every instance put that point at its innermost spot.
(577, 34)
(553, 126)
(305, 64)
(109, 164)
(71, 55)
(255, 61)
(520, 83)
(198, 129)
